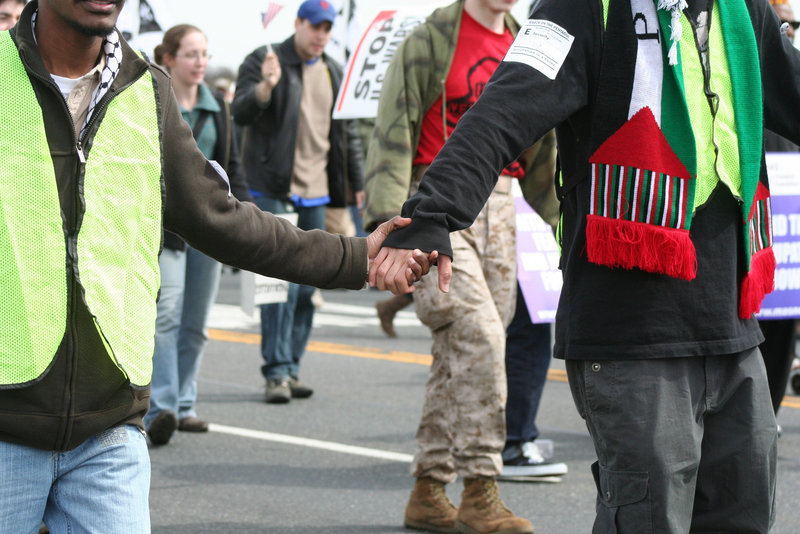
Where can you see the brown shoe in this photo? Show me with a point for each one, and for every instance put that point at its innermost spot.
(388, 308)
(429, 508)
(299, 390)
(482, 510)
(192, 424)
(162, 427)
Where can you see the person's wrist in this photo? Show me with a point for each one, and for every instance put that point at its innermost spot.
(263, 91)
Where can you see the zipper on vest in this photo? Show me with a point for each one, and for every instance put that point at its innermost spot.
(67, 414)
(70, 370)
(712, 98)
(80, 145)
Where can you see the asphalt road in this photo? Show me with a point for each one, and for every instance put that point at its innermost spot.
(338, 462)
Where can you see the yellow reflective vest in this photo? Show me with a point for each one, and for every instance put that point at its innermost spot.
(114, 255)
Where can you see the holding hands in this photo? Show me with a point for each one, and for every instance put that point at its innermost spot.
(397, 269)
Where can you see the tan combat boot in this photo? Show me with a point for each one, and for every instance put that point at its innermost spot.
(482, 510)
(429, 508)
(388, 308)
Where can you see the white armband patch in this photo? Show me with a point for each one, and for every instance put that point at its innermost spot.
(222, 174)
(542, 45)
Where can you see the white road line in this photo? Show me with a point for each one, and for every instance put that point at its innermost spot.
(312, 443)
(367, 311)
(330, 319)
(229, 317)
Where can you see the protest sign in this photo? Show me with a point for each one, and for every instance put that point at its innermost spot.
(784, 184)
(256, 290)
(363, 77)
(537, 261)
(143, 23)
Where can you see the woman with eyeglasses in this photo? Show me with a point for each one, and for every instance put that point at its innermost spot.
(189, 279)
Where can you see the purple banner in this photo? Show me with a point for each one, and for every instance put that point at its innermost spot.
(537, 262)
(784, 180)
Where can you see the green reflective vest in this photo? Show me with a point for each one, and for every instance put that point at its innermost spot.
(713, 131)
(115, 254)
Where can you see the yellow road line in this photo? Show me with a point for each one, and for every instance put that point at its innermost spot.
(352, 350)
(328, 348)
(234, 337)
(791, 402)
(558, 375)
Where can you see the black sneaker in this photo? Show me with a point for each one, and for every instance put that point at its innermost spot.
(528, 460)
(298, 389)
(278, 391)
(162, 427)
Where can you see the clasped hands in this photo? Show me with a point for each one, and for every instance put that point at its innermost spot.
(397, 269)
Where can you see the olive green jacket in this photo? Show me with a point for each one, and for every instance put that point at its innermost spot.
(414, 80)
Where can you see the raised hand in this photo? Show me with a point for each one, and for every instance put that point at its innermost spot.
(271, 70)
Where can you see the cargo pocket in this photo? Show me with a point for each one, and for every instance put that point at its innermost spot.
(623, 502)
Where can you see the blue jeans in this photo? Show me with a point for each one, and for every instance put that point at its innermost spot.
(286, 327)
(528, 353)
(100, 487)
(358, 221)
(189, 282)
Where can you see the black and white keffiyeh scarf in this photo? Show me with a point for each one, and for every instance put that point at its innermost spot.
(112, 49)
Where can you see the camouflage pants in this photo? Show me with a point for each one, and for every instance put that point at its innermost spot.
(462, 430)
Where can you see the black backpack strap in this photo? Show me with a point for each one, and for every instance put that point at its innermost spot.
(201, 121)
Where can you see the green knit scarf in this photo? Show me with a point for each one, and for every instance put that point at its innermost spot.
(644, 175)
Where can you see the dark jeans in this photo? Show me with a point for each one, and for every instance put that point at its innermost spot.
(528, 353)
(778, 353)
(286, 327)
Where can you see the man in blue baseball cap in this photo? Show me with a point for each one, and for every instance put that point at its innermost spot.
(313, 28)
(316, 11)
(297, 159)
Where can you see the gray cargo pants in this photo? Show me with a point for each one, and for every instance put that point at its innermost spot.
(683, 444)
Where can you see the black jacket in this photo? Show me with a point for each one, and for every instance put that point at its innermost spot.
(603, 313)
(271, 129)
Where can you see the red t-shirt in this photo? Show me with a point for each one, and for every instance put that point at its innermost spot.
(478, 53)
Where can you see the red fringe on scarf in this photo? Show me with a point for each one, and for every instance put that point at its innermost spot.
(758, 282)
(651, 248)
